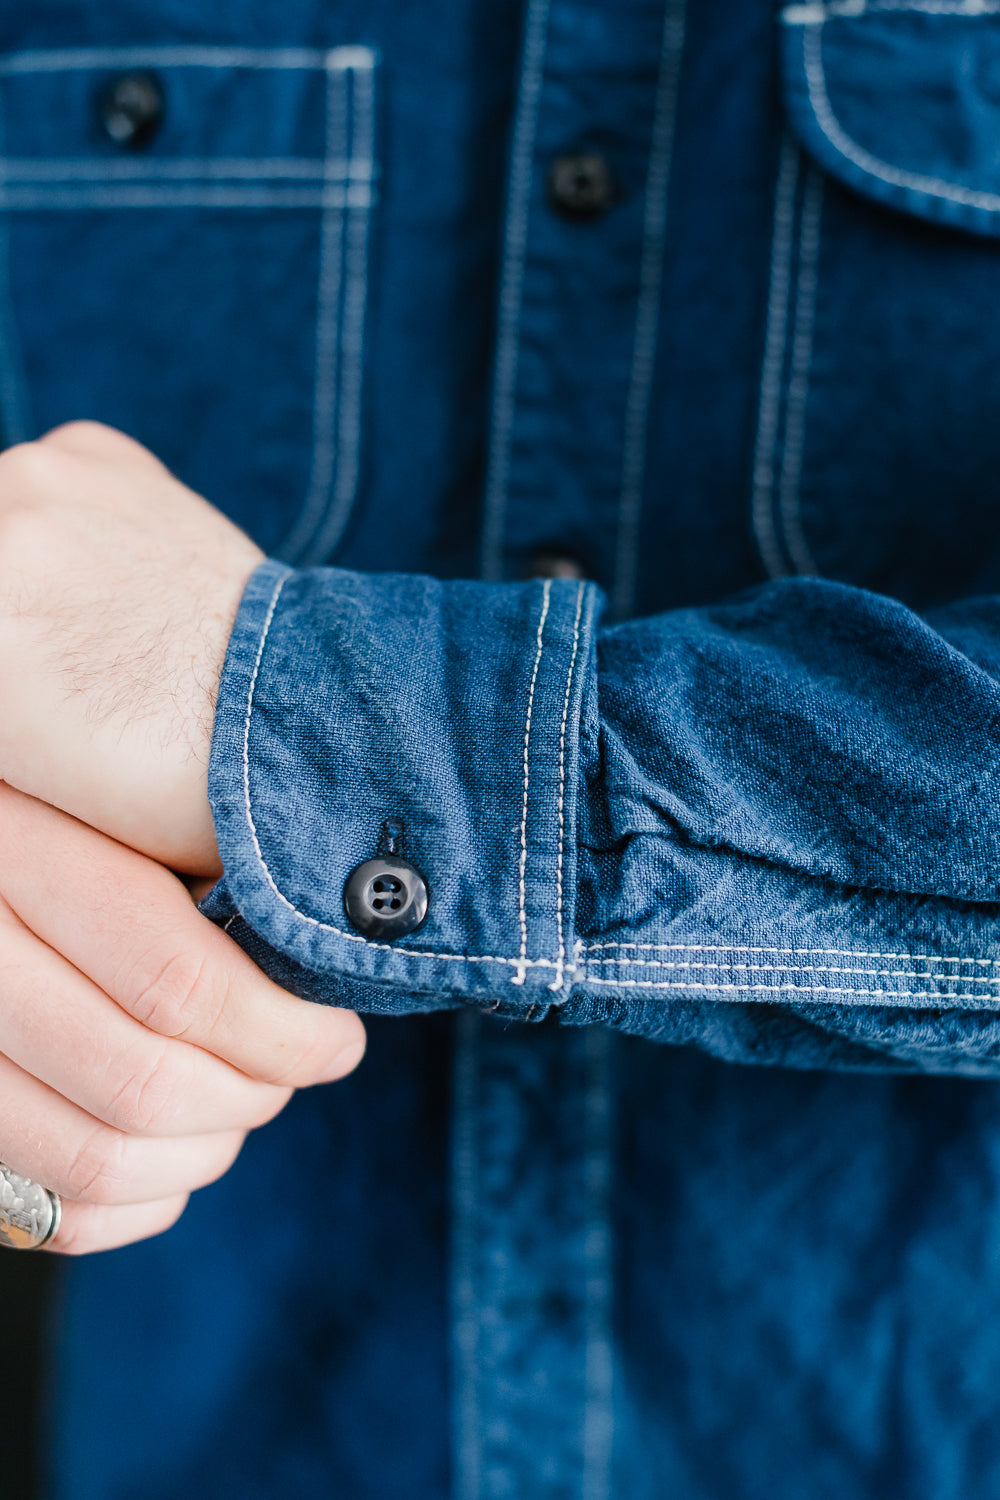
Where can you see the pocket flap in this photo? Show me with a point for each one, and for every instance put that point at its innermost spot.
(901, 102)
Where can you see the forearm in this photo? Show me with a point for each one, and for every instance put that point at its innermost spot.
(764, 828)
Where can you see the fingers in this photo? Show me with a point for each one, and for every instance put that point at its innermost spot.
(59, 1027)
(131, 928)
(87, 1227)
(137, 1042)
(45, 1137)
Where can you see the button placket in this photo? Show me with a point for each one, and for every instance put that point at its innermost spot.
(582, 186)
(571, 286)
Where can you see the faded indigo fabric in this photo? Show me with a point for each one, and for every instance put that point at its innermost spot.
(691, 1185)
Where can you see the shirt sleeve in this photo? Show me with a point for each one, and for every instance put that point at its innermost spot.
(768, 828)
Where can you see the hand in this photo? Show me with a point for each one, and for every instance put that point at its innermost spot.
(118, 591)
(138, 1044)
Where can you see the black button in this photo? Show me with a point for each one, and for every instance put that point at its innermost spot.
(581, 187)
(131, 109)
(385, 897)
(553, 565)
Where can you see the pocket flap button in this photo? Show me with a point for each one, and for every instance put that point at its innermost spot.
(131, 108)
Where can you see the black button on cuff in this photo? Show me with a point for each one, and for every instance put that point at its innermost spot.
(130, 108)
(385, 897)
(581, 187)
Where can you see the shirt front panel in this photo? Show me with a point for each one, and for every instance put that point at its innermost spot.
(359, 326)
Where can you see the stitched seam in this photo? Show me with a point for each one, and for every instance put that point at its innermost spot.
(19, 199)
(934, 187)
(351, 341)
(654, 963)
(775, 989)
(326, 386)
(512, 288)
(522, 914)
(49, 169)
(806, 952)
(70, 59)
(557, 982)
(779, 291)
(521, 963)
(596, 1438)
(648, 308)
(803, 15)
(798, 385)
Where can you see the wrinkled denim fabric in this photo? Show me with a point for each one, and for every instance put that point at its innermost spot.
(690, 1185)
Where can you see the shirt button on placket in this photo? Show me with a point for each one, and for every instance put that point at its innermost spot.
(582, 186)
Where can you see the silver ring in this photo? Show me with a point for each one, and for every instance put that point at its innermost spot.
(29, 1213)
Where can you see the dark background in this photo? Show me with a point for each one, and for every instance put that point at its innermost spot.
(25, 1293)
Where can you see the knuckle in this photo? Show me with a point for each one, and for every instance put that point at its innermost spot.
(22, 459)
(97, 1170)
(26, 469)
(79, 427)
(145, 1098)
(94, 440)
(180, 995)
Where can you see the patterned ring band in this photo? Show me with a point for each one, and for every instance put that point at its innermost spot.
(29, 1213)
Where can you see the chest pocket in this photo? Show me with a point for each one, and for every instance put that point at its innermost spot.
(183, 254)
(879, 442)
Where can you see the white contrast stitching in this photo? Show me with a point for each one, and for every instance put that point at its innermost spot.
(49, 169)
(522, 914)
(326, 385)
(769, 989)
(793, 952)
(934, 187)
(798, 384)
(779, 288)
(596, 1437)
(70, 59)
(655, 963)
(647, 308)
(557, 982)
(810, 15)
(351, 343)
(521, 962)
(18, 199)
(511, 288)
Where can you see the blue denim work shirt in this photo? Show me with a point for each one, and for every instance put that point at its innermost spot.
(690, 1188)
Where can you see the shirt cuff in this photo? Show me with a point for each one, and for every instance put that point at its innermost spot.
(452, 710)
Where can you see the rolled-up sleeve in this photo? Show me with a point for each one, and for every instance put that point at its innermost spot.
(768, 828)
